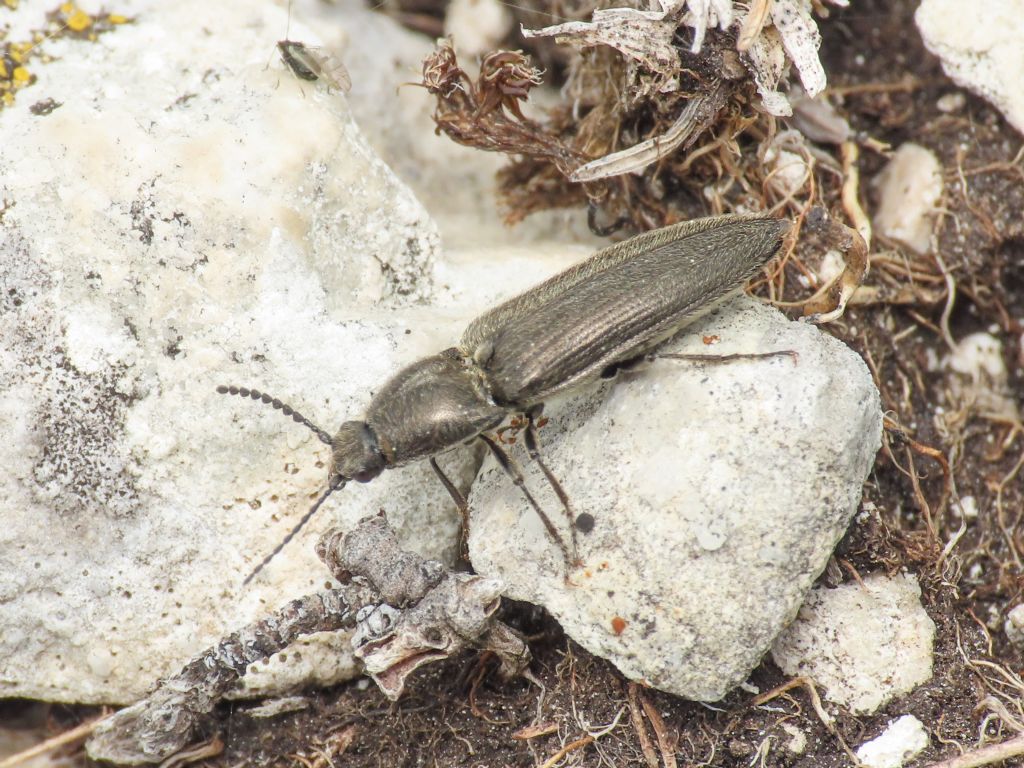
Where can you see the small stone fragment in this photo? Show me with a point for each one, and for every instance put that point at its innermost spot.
(982, 380)
(909, 192)
(865, 643)
(788, 170)
(902, 740)
(797, 742)
(950, 102)
(1014, 626)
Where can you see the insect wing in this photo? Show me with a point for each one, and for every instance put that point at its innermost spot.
(311, 64)
(617, 304)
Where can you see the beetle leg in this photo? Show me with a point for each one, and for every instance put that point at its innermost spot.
(513, 471)
(533, 448)
(460, 502)
(792, 354)
(606, 230)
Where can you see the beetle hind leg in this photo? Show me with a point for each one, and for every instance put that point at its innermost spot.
(728, 358)
(516, 475)
(533, 448)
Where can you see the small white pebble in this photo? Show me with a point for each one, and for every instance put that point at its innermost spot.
(797, 739)
(968, 507)
(1014, 626)
(902, 740)
(951, 102)
(979, 353)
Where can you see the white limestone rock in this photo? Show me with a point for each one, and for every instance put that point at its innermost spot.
(189, 216)
(901, 741)
(457, 183)
(864, 643)
(909, 195)
(979, 46)
(718, 491)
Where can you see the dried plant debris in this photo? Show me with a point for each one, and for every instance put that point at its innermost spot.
(18, 58)
(666, 113)
(405, 612)
(771, 28)
(485, 113)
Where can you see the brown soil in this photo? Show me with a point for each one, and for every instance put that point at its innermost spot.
(939, 447)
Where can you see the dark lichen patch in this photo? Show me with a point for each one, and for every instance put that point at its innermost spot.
(83, 467)
(23, 278)
(19, 59)
(79, 462)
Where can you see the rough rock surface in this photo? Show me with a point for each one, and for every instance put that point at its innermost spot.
(865, 643)
(979, 45)
(718, 491)
(189, 216)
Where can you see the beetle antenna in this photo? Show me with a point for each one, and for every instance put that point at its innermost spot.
(337, 484)
(287, 410)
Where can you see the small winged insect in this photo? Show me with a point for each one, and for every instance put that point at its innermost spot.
(600, 316)
(312, 64)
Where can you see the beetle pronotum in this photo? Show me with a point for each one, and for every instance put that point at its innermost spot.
(600, 315)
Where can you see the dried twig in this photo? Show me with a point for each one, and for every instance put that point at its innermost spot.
(552, 761)
(56, 742)
(172, 716)
(406, 611)
(665, 745)
(994, 753)
(637, 718)
(855, 255)
(700, 112)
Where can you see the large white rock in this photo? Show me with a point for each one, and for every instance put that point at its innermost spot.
(193, 215)
(979, 46)
(865, 643)
(718, 491)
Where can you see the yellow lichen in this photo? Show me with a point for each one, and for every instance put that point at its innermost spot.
(78, 20)
(19, 52)
(117, 18)
(3, 70)
(20, 76)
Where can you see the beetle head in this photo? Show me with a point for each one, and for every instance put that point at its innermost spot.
(355, 454)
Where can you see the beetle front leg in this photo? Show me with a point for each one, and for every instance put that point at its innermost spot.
(460, 502)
